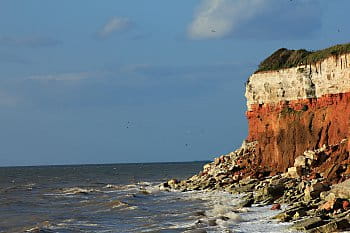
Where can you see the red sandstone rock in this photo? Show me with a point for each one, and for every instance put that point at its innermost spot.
(276, 206)
(346, 205)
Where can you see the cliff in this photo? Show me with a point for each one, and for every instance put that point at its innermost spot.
(292, 110)
(298, 143)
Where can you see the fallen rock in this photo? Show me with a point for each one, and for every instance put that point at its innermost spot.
(306, 224)
(346, 205)
(333, 226)
(276, 206)
(294, 172)
(247, 202)
(300, 161)
(342, 190)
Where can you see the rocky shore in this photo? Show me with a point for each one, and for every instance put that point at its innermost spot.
(297, 152)
(308, 198)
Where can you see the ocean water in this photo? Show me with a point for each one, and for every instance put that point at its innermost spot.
(119, 198)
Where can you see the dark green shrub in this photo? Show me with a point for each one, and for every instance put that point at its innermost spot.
(284, 58)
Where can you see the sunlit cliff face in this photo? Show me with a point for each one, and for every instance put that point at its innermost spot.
(296, 109)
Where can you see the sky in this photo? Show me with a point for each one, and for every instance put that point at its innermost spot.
(87, 81)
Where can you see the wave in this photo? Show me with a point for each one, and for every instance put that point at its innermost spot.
(78, 191)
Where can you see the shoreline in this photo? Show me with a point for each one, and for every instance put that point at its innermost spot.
(313, 203)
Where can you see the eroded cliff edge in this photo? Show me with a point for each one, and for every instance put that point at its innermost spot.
(301, 108)
(297, 149)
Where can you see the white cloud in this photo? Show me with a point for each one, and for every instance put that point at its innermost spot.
(115, 24)
(219, 18)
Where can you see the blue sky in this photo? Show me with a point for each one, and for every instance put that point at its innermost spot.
(141, 80)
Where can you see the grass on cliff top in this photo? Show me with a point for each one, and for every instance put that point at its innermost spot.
(284, 58)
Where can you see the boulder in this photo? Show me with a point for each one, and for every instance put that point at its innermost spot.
(300, 161)
(294, 172)
(308, 223)
(342, 190)
(247, 201)
(334, 226)
(276, 206)
(346, 205)
(309, 154)
(314, 189)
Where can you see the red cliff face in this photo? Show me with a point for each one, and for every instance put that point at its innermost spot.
(301, 108)
(287, 129)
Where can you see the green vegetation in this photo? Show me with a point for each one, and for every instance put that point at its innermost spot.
(289, 110)
(286, 111)
(284, 58)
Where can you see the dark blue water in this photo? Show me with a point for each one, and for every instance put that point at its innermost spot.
(113, 198)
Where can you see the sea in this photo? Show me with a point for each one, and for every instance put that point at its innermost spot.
(120, 198)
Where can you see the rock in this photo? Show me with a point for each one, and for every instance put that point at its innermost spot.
(212, 222)
(287, 215)
(330, 197)
(332, 204)
(306, 224)
(333, 226)
(346, 205)
(274, 190)
(342, 190)
(300, 161)
(327, 206)
(217, 161)
(247, 202)
(196, 231)
(294, 172)
(207, 167)
(313, 190)
(309, 154)
(276, 206)
(172, 182)
(283, 217)
(299, 214)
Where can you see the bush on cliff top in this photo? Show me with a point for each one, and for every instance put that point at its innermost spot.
(284, 58)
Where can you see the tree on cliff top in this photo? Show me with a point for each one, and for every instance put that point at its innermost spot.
(285, 58)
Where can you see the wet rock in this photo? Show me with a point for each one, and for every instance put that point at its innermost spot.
(212, 222)
(200, 213)
(247, 201)
(333, 226)
(346, 205)
(172, 182)
(287, 215)
(306, 224)
(276, 206)
(299, 214)
(196, 231)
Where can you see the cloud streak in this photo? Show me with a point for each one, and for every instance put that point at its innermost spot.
(219, 18)
(115, 24)
(66, 77)
(29, 41)
(271, 19)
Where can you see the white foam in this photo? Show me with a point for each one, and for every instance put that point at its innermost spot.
(77, 190)
(234, 217)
